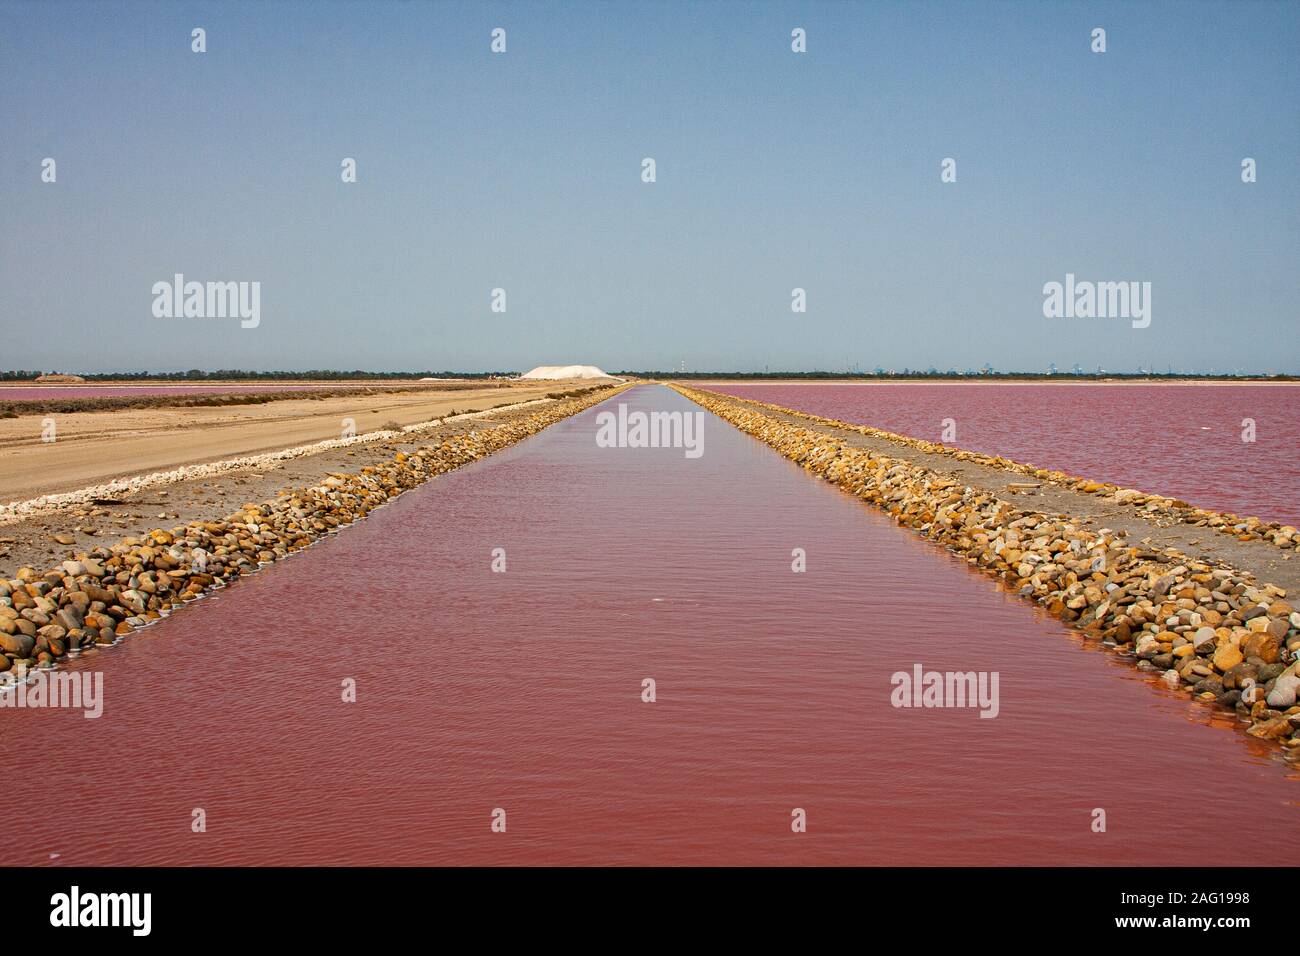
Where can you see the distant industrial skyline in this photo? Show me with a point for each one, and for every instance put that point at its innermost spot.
(905, 193)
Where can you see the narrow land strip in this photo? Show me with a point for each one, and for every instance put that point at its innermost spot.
(1251, 552)
(1212, 626)
(91, 448)
(98, 595)
(1159, 510)
(43, 531)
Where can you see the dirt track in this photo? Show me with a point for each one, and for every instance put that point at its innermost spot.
(95, 447)
(44, 539)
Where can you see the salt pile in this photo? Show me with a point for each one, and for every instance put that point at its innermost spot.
(565, 371)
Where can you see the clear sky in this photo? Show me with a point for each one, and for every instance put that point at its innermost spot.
(775, 170)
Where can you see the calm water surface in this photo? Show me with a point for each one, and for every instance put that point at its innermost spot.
(522, 690)
(1178, 440)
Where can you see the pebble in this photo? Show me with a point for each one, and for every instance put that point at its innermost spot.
(1283, 694)
(1227, 657)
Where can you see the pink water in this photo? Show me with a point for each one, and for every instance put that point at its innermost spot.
(1179, 440)
(522, 691)
(51, 392)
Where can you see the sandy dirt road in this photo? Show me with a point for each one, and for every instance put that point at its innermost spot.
(95, 447)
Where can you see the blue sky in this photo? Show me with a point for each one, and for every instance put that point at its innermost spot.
(774, 170)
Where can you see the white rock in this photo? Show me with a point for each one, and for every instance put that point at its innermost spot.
(1283, 693)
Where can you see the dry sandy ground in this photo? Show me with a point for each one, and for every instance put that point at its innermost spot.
(94, 447)
(43, 541)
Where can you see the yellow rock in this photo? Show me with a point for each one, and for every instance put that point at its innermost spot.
(1227, 657)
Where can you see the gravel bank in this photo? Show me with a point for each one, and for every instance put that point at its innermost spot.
(1209, 630)
(1158, 509)
(100, 595)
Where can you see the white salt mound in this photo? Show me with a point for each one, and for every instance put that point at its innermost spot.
(565, 371)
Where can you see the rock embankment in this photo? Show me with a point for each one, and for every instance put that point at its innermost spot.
(104, 594)
(1154, 507)
(1206, 629)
